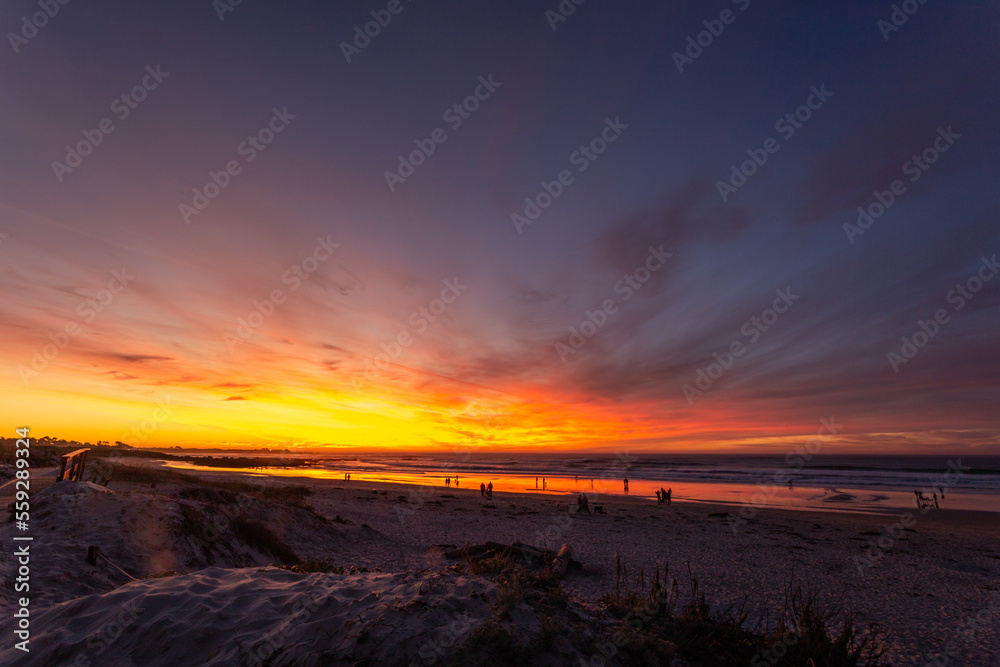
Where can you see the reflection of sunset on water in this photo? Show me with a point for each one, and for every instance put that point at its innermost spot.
(838, 500)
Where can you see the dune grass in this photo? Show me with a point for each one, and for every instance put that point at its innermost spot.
(647, 625)
(285, 494)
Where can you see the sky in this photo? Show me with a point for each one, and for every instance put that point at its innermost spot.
(525, 225)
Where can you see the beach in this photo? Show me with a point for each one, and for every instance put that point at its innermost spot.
(919, 575)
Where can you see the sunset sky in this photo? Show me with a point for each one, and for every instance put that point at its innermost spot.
(147, 304)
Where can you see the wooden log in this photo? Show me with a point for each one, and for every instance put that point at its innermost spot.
(490, 548)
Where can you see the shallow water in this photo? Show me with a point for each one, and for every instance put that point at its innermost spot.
(765, 493)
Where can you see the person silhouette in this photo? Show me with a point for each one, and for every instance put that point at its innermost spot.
(447, 481)
(659, 498)
(669, 492)
(626, 485)
(489, 490)
(936, 506)
(482, 489)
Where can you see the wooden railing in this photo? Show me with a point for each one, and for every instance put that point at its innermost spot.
(73, 465)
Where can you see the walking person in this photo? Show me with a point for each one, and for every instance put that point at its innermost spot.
(482, 489)
(489, 490)
(669, 492)
(659, 498)
(626, 485)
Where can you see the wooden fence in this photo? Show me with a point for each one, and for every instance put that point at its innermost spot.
(73, 465)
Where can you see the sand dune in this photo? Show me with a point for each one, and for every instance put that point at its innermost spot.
(253, 616)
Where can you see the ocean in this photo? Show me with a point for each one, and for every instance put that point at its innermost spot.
(867, 483)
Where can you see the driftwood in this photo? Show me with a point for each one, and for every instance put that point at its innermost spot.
(561, 561)
(481, 549)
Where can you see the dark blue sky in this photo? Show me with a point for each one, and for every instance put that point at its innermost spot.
(503, 343)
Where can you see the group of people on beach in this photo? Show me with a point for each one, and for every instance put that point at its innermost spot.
(923, 502)
(486, 490)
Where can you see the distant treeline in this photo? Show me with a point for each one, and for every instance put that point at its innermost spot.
(245, 461)
(47, 452)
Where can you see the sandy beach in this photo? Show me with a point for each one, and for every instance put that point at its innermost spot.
(920, 576)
